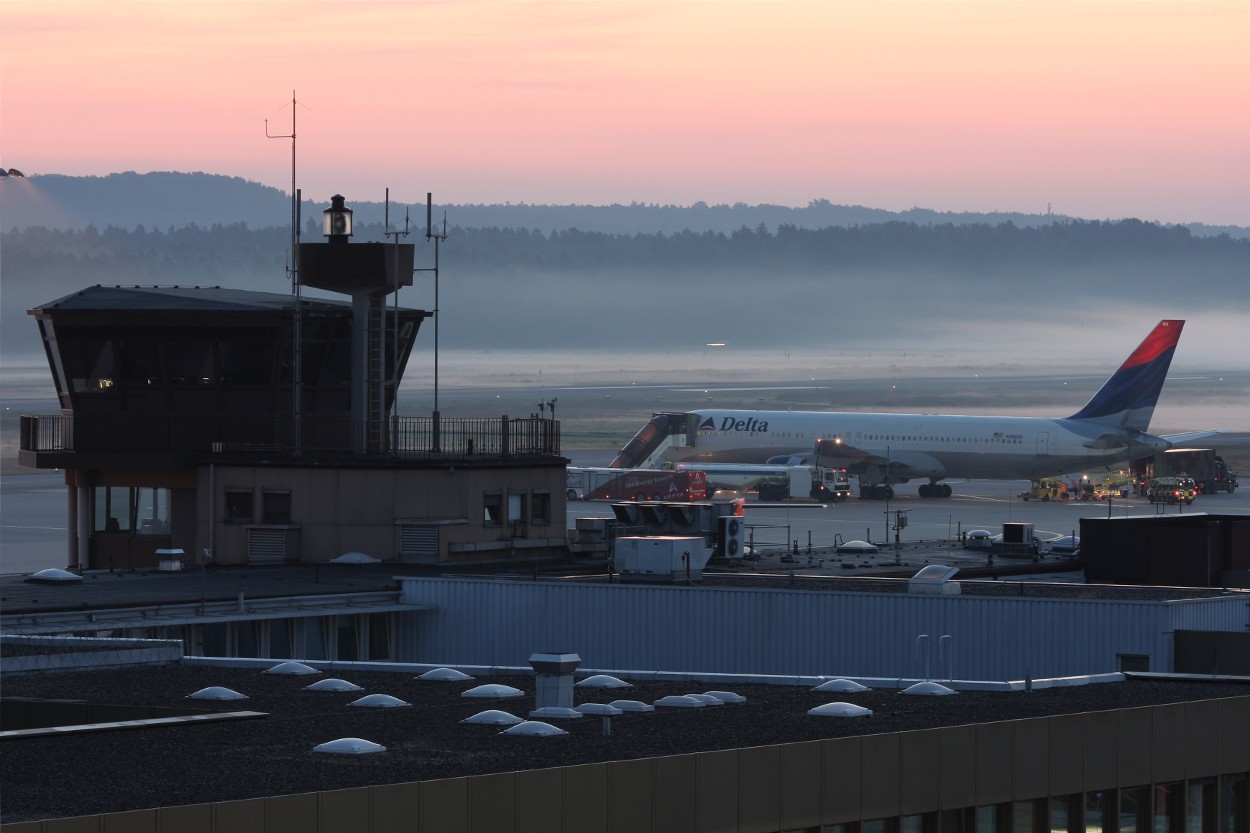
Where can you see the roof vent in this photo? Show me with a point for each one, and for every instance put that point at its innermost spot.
(929, 689)
(603, 681)
(292, 669)
(839, 710)
(493, 690)
(553, 679)
(379, 701)
(450, 675)
(333, 684)
(534, 728)
(350, 746)
(841, 686)
(217, 692)
(493, 717)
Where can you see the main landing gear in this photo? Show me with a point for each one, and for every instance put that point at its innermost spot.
(935, 490)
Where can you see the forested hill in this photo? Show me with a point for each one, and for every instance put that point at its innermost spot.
(168, 200)
(513, 288)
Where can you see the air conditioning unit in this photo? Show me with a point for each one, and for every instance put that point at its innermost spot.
(729, 539)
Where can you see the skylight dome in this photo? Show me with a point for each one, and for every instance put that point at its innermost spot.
(379, 701)
(450, 675)
(601, 709)
(603, 681)
(216, 692)
(333, 684)
(839, 710)
(632, 706)
(355, 558)
(726, 696)
(556, 713)
(840, 686)
(930, 689)
(493, 690)
(707, 699)
(534, 728)
(293, 669)
(54, 576)
(494, 717)
(350, 746)
(680, 701)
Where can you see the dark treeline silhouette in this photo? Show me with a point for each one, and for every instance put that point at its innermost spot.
(230, 253)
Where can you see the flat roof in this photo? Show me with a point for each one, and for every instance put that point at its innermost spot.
(138, 298)
(273, 755)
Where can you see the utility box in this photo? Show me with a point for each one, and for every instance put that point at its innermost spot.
(1018, 541)
(169, 561)
(661, 558)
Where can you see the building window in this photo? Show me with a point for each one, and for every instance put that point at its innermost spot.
(1135, 810)
(1133, 662)
(1200, 806)
(277, 507)
(113, 509)
(1236, 800)
(1065, 814)
(239, 506)
(492, 509)
(1100, 814)
(540, 508)
(516, 508)
(151, 510)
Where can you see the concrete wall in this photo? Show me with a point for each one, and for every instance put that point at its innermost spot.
(758, 790)
(341, 510)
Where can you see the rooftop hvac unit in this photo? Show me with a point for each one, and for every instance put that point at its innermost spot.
(661, 558)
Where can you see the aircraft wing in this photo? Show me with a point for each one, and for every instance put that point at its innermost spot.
(1192, 436)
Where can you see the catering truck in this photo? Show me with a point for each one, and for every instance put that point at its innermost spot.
(1207, 468)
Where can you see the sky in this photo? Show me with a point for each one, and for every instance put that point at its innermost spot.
(1094, 108)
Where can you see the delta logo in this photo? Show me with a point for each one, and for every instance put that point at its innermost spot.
(750, 425)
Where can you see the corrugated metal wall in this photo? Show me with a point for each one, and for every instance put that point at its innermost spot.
(796, 632)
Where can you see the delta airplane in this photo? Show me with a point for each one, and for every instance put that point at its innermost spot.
(886, 449)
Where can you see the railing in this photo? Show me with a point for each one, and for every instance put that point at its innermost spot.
(401, 437)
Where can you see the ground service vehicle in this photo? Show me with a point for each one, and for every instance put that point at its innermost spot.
(1113, 484)
(775, 481)
(1172, 489)
(1046, 489)
(635, 484)
(1206, 467)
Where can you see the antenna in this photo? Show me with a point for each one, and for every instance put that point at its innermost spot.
(394, 371)
(437, 238)
(293, 270)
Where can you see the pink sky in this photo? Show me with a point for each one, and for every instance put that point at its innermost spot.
(1102, 108)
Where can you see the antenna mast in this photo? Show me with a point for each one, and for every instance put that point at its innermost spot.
(297, 336)
(387, 232)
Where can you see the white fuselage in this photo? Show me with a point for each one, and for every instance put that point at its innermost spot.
(913, 445)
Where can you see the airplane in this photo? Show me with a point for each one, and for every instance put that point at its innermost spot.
(887, 449)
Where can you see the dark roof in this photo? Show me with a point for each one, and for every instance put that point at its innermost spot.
(202, 762)
(184, 299)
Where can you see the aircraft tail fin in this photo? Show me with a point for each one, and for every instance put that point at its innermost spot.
(1127, 400)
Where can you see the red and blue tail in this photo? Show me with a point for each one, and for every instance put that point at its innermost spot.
(1127, 400)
